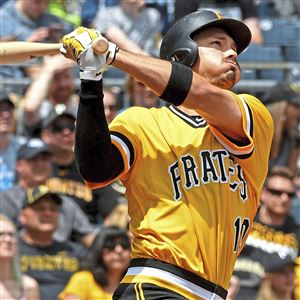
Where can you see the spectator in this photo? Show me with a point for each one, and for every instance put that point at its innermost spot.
(102, 270)
(27, 20)
(296, 200)
(274, 231)
(34, 168)
(54, 85)
(137, 94)
(166, 10)
(50, 262)
(89, 12)
(59, 134)
(131, 26)
(91, 7)
(111, 106)
(237, 9)
(119, 217)
(283, 102)
(67, 10)
(279, 282)
(9, 142)
(13, 283)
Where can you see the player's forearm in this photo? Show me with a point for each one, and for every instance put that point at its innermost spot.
(216, 105)
(152, 72)
(96, 157)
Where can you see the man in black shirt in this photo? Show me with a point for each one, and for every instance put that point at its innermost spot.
(50, 262)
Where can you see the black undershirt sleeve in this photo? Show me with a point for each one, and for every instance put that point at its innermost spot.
(98, 160)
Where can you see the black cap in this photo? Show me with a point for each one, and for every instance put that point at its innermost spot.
(32, 148)
(283, 91)
(38, 193)
(58, 111)
(5, 97)
(274, 262)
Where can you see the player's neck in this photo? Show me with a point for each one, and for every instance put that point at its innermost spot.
(188, 111)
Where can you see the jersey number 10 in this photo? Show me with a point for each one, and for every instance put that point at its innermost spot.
(240, 228)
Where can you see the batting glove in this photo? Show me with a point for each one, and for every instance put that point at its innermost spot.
(78, 46)
(77, 41)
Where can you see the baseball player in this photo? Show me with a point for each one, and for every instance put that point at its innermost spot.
(193, 171)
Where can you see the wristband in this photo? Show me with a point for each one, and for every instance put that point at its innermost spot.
(178, 85)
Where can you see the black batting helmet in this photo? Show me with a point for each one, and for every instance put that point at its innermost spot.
(178, 43)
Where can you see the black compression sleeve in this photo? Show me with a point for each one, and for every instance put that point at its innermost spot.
(98, 160)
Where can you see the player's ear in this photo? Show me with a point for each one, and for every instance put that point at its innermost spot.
(196, 65)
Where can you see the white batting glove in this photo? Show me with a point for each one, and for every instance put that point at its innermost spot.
(78, 46)
(93, 65)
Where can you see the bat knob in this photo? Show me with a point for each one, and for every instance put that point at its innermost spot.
(100, 45)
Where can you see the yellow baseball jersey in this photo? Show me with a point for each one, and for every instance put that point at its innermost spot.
(192, 193)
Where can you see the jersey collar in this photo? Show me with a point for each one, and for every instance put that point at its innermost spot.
(195, 121)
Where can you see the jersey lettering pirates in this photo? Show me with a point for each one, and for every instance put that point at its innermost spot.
(192, 192)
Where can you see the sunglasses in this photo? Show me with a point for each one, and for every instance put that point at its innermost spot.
(279, 193)
(60, 127)
(111, 244)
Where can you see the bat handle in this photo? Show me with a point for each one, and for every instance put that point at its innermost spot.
(100, 45)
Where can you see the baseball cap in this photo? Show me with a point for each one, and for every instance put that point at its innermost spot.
(274, 262)
(38, 193)
(283, 91)
(31, 148)
(58, 111)
(5, 97)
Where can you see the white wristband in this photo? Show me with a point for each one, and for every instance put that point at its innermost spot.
(90, 74)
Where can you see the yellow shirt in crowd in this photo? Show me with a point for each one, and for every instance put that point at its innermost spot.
(83, 285)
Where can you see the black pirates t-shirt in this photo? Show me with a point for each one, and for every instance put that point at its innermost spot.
(262, 241)
(96, 204)
(51, 266)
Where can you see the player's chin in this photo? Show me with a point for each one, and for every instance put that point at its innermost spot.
(229, 79)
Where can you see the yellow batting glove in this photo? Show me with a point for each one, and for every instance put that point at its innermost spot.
(78, 41)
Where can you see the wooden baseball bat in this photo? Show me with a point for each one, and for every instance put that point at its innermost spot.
(14, 52)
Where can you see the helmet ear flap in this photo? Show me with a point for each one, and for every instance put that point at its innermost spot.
(186, 56)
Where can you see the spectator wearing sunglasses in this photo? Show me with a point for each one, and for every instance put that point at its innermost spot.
(59, 134)
(274, 231)
(102, 270)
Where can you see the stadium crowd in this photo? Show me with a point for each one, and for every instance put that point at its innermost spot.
(61, 240)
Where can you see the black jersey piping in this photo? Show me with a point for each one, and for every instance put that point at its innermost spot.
(182, 273)
(128, 144)
(188, 119)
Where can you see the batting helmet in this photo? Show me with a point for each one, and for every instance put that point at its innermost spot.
(178, 43)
